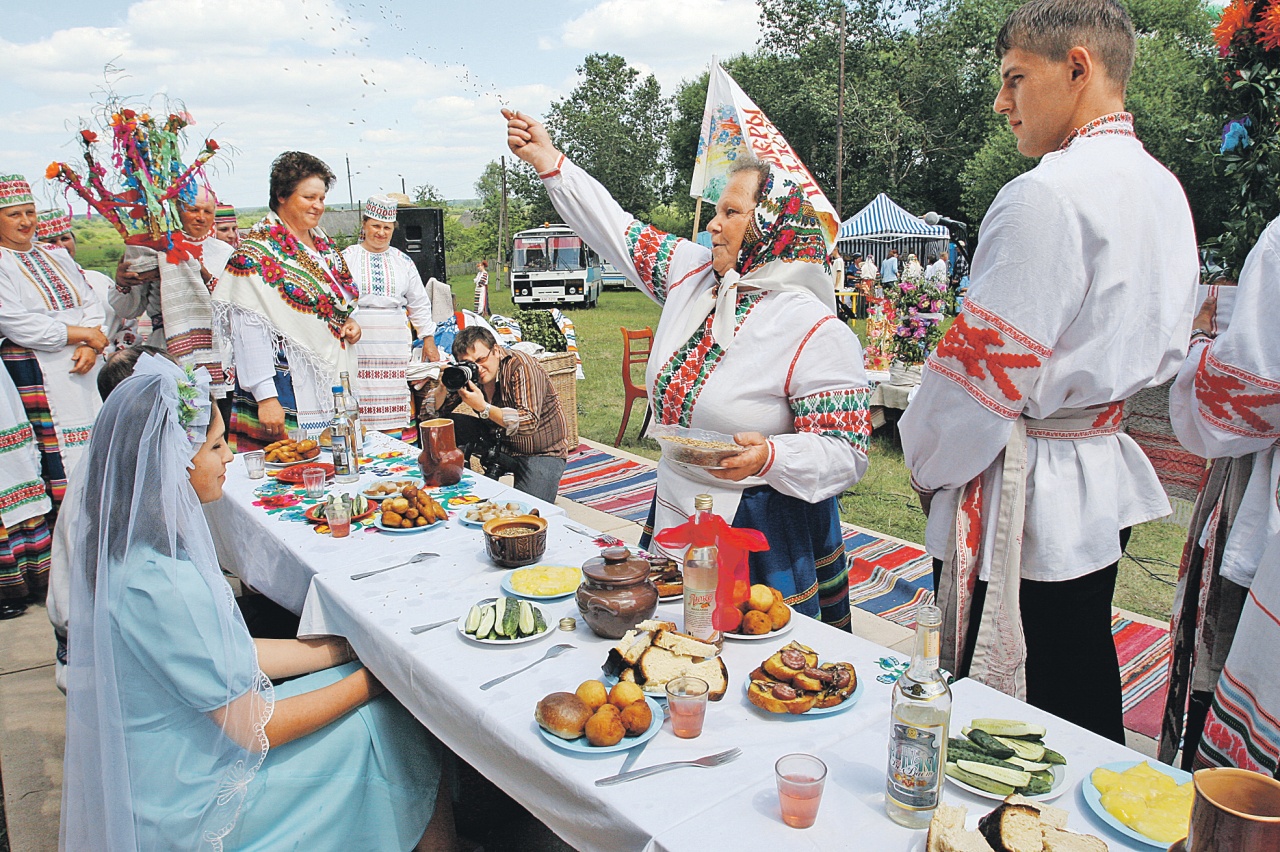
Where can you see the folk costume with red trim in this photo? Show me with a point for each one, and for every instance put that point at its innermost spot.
(1225, 405)
(757, 350)
(1081, 294)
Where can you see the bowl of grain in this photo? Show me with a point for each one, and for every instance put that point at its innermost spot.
(697, 447)
(513, 542)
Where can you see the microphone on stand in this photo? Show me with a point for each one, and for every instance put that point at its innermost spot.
(960, 231)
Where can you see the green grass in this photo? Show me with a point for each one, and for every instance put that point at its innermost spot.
(882, 501)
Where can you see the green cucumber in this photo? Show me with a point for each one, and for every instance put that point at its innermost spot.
(1015, 778)
(499, 622)
(485, 627)
(539, 623)
(955, 753)
(1037, 787)
(1029, 765)
(511, 619)
(473, 620)
(1052, 757)
(526, 618)
(1009, 728)
(979, 781)
(1024, 749)
(989, 744)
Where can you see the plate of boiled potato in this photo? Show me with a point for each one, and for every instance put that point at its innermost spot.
(598, 719)
(763, 615)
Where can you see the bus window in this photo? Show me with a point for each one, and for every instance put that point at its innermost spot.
(530, 255)
(566, 253)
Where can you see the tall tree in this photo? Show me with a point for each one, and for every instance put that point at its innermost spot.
(614, 124)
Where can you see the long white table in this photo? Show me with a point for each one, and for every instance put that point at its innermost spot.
(437, 674)
(278, 557)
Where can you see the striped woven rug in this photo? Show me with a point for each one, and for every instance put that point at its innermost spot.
(887, 577)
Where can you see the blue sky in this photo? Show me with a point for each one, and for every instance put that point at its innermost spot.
(406, 89)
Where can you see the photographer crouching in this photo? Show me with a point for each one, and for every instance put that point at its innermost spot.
(511, 391)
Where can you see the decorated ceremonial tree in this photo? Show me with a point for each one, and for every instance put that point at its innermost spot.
(917, 302)
(1246, 94)
(136, 185)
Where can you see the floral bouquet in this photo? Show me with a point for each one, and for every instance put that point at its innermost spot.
(145, 177)
(918, 303)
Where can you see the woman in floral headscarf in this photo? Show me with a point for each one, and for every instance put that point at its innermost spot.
(285, 303)
(748, 344)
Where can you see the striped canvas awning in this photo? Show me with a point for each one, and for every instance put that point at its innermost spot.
(883, 218)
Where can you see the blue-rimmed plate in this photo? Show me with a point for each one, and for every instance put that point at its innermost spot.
(1093, 797)
(377, 522)
(509, 589)
(581, 746)
(816, 711)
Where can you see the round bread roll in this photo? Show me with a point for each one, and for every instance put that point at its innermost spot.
(605, 729)
(756, 623)
(594, 693)
(761, 597)
(637, 718)
(563, 714)
(779, 616)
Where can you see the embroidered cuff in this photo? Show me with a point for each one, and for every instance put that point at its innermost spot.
(555, 172)
(842, 414)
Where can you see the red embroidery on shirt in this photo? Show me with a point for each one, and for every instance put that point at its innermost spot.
(1110, 416)
(1220, 397)
(971, 505)
(973, 348)
(786, 386)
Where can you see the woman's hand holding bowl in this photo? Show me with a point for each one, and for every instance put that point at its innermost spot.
(748, 462)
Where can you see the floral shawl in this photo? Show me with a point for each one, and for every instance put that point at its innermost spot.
(302, 298)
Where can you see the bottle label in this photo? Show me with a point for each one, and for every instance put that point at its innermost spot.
(341, 459)
(914, 753)
(698, 606)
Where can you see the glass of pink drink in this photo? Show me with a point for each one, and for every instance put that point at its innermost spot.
(687, 701)
(800, 778)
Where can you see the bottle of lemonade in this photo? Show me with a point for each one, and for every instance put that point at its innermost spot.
(701, 574)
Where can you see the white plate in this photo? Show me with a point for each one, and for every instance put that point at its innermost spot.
(463, 507)
(507, 587)
(462, 624)
(377, 522)
(365, 493)
(325, 456)
(772, 634)
(581, 746)
(1093, 797)
(815, 711)
(1057, 789)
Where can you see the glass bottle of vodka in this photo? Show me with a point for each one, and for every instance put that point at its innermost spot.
(918, 729)
(346, 466)
(701, 574)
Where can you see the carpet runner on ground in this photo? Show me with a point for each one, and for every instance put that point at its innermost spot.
(887, 577)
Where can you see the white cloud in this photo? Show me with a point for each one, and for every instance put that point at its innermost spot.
(676, 38)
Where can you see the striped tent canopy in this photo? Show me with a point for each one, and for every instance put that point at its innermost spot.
(883, 225)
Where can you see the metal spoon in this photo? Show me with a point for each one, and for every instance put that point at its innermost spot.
(415, 560)
(553, 651)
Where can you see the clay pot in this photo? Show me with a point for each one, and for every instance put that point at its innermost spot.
(440, 461)
(1234, 809)
(513, 542)
(616, 593)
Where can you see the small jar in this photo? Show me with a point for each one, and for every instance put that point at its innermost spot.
(616, 593)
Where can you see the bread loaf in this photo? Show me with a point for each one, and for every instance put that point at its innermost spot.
(1049, 815)
(563, 714)
(680, 643)
(657, 666)
(1061, 840)
(947, 834)
(1013, 828)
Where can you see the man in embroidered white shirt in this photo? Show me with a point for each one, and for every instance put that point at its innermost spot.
(1081, 293)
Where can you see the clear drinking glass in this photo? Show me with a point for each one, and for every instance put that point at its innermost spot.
(687, 701)
(255, 464)
(339, 518)
(800, 778)
(313, 480)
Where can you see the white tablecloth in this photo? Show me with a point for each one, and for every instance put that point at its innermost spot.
(279, 557)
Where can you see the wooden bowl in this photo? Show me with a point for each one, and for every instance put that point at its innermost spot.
(514, 542)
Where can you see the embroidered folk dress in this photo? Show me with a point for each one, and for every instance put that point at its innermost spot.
(283, 305)
(794, 373)
(42, 292)
(390, 288)
(1081, 294)
(186, 303)
(1225, 404)
(24, 537)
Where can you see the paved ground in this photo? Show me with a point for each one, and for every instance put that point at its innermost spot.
(32, 712)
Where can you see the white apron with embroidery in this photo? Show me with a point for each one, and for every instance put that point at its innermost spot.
(37, 289)
(22, 491)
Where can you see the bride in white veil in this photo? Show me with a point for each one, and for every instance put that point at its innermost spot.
(176, 738)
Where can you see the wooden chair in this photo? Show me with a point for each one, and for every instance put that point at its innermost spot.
(636, 348)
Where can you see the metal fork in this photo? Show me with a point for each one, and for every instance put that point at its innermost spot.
(553, 651)
(710, 760)
(414, 561)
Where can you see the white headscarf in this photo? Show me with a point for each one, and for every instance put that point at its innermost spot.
(138, 511)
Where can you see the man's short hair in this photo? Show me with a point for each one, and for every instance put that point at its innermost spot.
(469, 337)
(120, 365)
(1051, 28)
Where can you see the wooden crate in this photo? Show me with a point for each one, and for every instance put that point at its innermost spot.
(563, 369)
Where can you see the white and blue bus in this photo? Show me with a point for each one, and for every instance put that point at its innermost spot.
(552, 265)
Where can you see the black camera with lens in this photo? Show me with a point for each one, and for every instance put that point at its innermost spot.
(456, 376)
